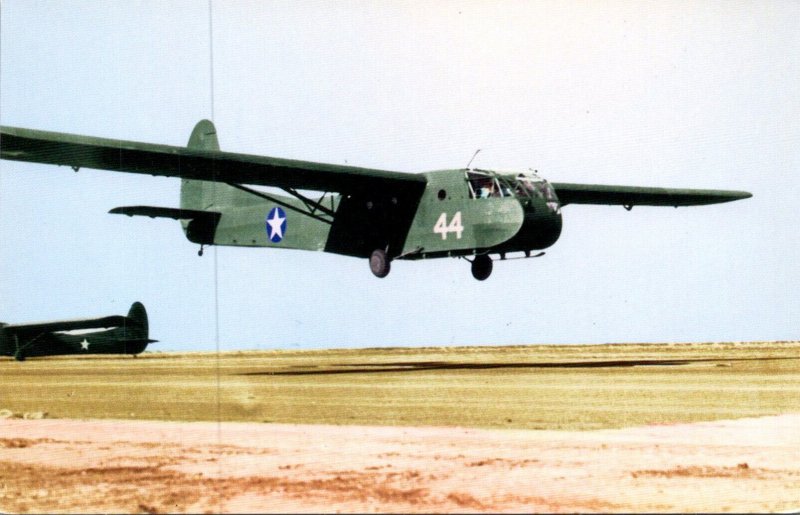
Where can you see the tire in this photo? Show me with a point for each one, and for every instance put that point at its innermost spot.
(482, 267)
(379, 263)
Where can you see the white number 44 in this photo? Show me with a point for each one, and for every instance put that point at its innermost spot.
(442, 227)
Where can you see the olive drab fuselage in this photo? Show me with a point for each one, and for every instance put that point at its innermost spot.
(460, 213)
(464, 212)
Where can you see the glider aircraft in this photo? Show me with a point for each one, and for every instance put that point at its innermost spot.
(107, 335)
(375, 214)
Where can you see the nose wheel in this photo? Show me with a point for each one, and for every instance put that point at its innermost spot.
(482, 267)
(379, 263)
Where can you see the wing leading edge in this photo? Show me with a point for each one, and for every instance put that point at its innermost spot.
(630, 196)
(68, 325)
(73, 150)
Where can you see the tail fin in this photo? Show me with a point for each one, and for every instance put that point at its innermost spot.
(136, 326)
(204, 136)
(198, 219)
(200, 195)
(132, 336)
(138, 314)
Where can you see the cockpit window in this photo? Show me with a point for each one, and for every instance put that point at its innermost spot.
(485, 185)
(548, 192)
(525, 187)
(529, 184)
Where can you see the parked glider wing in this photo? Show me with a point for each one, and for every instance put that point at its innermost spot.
(636, 196)
(36, 146)
(67, 325)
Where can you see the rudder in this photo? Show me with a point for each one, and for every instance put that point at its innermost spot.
(204, 136)
(138, 327)
(199, 194)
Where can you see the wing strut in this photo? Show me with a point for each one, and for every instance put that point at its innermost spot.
(312, 205)
(19, 354)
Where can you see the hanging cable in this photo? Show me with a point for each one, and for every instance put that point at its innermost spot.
(211, 57)
(216, 266)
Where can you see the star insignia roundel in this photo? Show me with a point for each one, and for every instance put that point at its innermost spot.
(276, 225)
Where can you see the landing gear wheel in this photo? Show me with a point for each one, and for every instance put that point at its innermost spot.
(379, 263)
(482, 267)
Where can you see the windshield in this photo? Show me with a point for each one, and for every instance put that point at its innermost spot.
(523, 185)
(529, 184)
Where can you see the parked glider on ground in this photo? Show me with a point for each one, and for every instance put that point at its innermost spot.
(375, 214)
(115, 334)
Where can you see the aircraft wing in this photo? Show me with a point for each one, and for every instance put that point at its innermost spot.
(67, 325)
(630, 196)
(207, 165)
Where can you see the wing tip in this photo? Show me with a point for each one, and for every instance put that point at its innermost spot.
(730, 196)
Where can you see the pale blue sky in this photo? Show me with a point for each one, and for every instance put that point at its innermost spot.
(677, 94)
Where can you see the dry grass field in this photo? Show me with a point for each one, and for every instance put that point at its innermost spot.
(523, 387)
(606, 428)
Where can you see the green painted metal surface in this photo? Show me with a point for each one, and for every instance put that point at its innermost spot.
(362, 211)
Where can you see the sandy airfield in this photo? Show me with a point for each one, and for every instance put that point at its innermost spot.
(745, 465)
(606, 428)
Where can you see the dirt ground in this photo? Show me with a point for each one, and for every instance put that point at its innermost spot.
(745, 465)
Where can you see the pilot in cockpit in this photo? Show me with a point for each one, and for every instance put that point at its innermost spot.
(487, 189)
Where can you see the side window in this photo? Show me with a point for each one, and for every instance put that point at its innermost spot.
(505, 188)
(482, 185)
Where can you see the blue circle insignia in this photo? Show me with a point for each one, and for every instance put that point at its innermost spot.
(276, 225)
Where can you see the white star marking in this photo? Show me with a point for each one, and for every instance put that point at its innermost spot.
(275, 223)
(85, 344)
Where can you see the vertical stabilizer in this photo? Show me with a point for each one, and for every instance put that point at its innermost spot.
(202, 195)
(138, 317)
(204, 136)
(134, 335)
(199, 195)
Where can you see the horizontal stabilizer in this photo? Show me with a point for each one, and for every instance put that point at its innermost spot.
(200, 229)
(136, 341)
(166, 212)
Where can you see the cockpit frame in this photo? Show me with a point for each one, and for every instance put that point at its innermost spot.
(522, 185)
